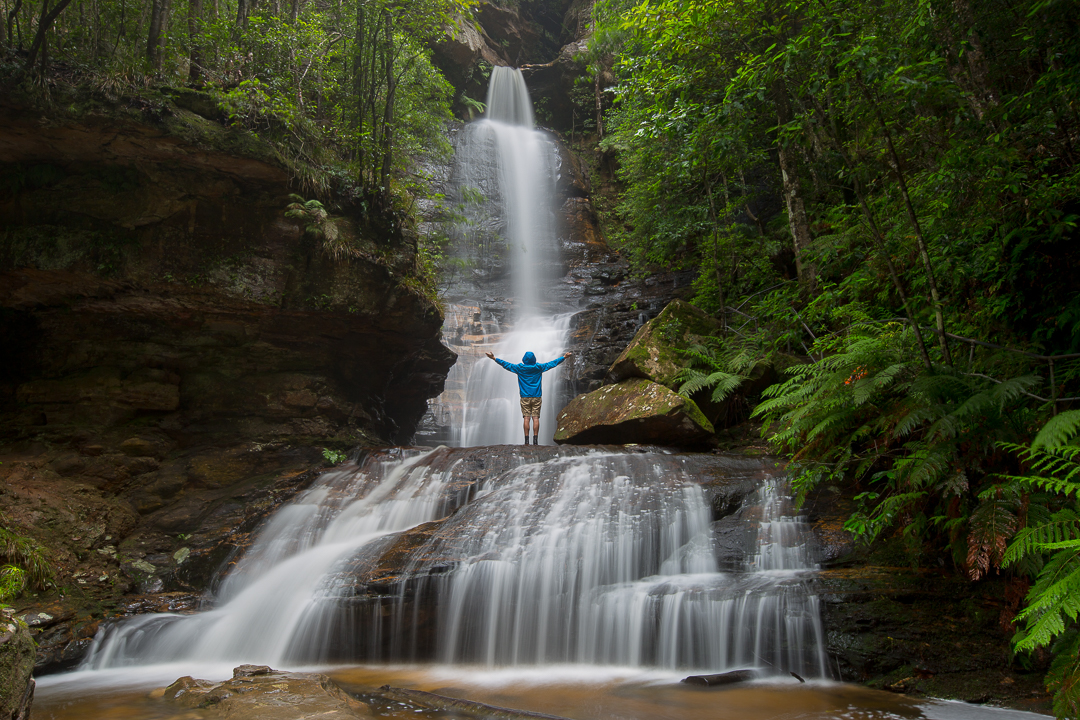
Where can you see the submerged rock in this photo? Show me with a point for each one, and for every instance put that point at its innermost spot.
(421, 700)
(257, 692)
(16, 666)
(633, 411)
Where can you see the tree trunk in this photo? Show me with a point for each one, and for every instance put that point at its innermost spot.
(978, 68)
(793, 195)
(715, 253)
(156, 36)
(195, 69)
(920, 240)
(243, 10)
(10, 21)
(388, 117)
(879, 242)
(48, 17)
(358, 87)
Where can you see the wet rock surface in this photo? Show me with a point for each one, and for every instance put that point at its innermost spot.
(633, 411)
(16, 666)
(256, 692)
(111, 561)
(927, 633)
(921, 631)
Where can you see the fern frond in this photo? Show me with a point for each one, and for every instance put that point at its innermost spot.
(1054, 599)
(1063, 525)
(724, 384)
(23, 554)
(692, 380)
(992, 524)
(1059, 430)
(1064, 678)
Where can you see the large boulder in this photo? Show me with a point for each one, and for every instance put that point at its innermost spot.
(16, 666)
(654, 353)
(633, 411)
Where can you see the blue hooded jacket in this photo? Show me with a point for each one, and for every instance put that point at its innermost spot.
(529, 372)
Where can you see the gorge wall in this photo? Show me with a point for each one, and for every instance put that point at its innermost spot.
(176, 352)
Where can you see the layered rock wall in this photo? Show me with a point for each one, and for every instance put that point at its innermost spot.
(177, 353)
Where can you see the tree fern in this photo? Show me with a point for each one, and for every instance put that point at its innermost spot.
(869, 409)
(1053, 602)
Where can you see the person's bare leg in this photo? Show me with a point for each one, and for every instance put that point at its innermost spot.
(536, 429)
(525, 426)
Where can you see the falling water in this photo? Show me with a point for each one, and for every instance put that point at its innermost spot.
(506, 159)
(512, 556)
(570, 556)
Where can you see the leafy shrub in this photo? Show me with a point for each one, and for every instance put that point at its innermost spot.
(334, 457)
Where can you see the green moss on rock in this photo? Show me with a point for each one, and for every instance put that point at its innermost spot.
(17, 654)
(633, 411)
(655, 352)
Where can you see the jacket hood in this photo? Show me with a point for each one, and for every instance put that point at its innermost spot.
(529, 359)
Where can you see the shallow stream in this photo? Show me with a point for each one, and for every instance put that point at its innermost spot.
(574, 692)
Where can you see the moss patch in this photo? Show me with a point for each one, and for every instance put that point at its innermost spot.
(633, 411)
(655, 352)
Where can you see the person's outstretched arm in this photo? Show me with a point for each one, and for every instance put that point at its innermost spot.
(508, 366)
(544, 367)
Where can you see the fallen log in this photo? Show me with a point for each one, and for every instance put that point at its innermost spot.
(728, 678)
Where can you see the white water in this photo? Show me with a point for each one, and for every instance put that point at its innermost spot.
(523, 178)
(597, 558)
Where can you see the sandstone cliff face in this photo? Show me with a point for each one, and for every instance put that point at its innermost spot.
(147, 268)
(176, 353)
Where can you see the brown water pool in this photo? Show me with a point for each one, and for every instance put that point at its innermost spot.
(578, 693)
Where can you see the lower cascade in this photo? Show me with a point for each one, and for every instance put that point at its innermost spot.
(513, 556)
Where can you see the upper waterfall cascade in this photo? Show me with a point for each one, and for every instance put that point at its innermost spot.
(505, 159)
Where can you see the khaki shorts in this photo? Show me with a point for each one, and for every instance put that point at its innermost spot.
(530, 407)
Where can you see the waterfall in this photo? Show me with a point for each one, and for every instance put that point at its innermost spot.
(505, 160)
(508, 556)
(544, 556)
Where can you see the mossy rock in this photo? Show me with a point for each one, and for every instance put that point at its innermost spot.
(17, 654)
(633, 411)
(655, 352)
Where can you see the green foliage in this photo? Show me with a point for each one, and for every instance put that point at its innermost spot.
(23, 564)
(347, 95)
(334, 457)
(1053, 602)
(869, 411)
(712, 367)
(909, 144)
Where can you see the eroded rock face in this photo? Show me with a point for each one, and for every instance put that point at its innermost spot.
(633, 411)
(16, 666)
(148, 270)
